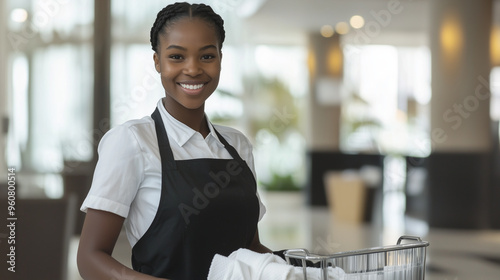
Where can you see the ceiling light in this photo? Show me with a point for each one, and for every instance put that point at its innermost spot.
(327, 31)
(342, 27)
(19, 15)
(357, 21)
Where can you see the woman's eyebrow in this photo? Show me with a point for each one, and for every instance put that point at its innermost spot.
(184, 49)
(208, 47)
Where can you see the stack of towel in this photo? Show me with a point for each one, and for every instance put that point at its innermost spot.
(246, 264)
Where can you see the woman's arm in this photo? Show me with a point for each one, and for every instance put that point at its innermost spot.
(256, 246)
(99, 234)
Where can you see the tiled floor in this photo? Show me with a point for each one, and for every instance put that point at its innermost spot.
(452, 254)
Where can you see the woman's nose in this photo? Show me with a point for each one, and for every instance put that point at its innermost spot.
(192, 68)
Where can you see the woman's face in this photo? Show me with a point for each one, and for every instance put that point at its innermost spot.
(189, 62)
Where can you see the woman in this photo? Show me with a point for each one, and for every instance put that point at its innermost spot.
(182, 187)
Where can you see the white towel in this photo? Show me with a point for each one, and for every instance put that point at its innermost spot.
(244, 264)
(223, 268)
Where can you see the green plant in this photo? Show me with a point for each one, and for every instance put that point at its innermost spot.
(281, 183)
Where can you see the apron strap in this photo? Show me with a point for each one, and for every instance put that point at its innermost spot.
(232, 151)
(163, 143)
(236, 156)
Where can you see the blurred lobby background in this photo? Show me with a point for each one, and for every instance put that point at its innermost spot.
(370, 119)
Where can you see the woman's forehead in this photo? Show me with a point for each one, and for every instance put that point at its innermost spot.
(189, 33)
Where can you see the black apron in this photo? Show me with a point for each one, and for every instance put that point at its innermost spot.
(207, 207)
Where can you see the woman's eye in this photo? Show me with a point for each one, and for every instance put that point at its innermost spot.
(175, 56)
(207, 57)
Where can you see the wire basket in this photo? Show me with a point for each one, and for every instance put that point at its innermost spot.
(398, 262)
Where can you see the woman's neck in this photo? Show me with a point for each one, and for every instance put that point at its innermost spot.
(194, 118)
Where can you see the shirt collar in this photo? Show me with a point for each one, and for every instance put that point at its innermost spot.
(180, 132)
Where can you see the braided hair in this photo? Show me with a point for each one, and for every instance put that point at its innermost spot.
(177, 11)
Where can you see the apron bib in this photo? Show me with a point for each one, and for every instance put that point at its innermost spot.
(207, 207)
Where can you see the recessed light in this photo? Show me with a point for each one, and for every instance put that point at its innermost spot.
(19, 15)
(357, 21)
(327, 31)
(342, 27)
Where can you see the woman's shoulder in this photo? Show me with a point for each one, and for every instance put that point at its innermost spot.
(135, 125)
(144, 121)
(136, 130)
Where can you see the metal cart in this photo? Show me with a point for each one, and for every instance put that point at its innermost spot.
(398, 262)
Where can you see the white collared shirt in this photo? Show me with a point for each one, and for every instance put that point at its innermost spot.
(127, 177)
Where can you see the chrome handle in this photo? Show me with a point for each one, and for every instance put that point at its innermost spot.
(409, 237)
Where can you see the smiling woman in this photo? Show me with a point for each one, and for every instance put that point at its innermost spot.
(189, 62)
(184, 189)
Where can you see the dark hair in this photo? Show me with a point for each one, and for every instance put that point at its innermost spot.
(177, 11)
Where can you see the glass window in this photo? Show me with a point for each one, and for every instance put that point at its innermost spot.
(18, 129)
(50, 55)
(135, 84)
(495, 93)
(387, 96)
(61, 106)
(278, 90)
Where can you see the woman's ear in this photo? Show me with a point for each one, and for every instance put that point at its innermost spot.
(156, 59)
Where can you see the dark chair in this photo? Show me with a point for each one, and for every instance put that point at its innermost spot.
(43, 230)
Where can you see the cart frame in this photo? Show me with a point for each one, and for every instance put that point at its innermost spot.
(328, 260)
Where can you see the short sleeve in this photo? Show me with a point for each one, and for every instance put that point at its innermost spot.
(118, 173)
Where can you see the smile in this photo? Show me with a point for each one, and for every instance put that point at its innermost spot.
(192, 87)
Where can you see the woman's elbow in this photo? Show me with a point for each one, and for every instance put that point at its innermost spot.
(83, 262)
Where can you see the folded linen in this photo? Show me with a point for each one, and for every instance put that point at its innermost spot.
(244, 264)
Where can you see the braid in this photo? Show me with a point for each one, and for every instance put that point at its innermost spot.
(205, 12)
(176, 11)
(168, 13)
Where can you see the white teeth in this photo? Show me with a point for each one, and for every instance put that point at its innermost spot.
(191, 86)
